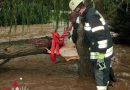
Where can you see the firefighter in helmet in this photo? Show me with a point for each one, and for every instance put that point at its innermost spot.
(99, 40)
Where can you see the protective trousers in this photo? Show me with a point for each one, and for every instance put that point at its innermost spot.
(102, 76)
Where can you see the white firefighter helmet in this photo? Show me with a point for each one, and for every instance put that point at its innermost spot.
(74, 3)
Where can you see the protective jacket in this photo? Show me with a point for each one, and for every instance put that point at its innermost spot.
(97, 33)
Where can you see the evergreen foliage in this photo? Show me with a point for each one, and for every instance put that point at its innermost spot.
(121, 23)
(17, 12)
(22, 12)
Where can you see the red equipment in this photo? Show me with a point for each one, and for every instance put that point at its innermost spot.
(57, 41)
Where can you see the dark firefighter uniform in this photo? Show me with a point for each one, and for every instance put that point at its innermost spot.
(100, 42)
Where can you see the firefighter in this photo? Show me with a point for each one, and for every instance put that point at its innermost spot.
(99, 38)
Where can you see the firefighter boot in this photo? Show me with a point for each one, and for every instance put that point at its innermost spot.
(101, 87)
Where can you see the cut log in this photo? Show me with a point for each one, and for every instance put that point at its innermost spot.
(14, 49)
(26, 47)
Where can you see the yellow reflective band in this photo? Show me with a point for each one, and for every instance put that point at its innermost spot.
(109, 49)
(102, 45)
(102, 41)
(87, 24)
(100, 55)
(98, 28)
(93, 53)
(87, 28)
(78, 20)
(109, 52)
(93, 57)
(102, 21)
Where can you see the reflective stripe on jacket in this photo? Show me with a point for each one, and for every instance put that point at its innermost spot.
(109, 52)
(96, 30)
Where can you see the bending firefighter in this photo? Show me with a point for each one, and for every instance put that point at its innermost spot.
(99, 40)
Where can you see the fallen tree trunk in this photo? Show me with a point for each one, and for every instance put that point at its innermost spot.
(26, 47)
(14, 49)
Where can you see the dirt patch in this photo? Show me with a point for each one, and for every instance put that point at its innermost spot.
(39, 73)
